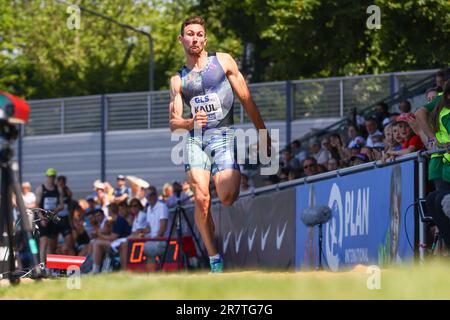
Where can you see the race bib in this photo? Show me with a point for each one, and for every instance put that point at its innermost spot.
(50, 203)
(210, 104)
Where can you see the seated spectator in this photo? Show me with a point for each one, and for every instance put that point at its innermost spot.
(139, 227)
(310, 166)
(90, 223)
(297, 150)
(245, 185)
(320, 154)
(102, 243)
(405, 106)
(138, 187)
(167, 192)
(372, 130)
(294, 174)
(382, 114)
(102, 221)
(157, 219)
(79, 233)
(102, 196)
(188, 191)
(29, 198)
(358, 159)
(333, 164)
(288, 161)
(338, 151)
(178, 194)
(121, 192)
(411, 141)
(284, 174)
(354, 137)
(123, 209)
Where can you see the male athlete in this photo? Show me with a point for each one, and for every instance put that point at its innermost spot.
(206, 84)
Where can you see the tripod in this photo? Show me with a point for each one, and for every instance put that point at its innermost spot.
(9, 185)
(182, 257)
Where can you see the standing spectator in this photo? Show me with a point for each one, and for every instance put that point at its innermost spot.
(64, 226)
(29, 198)
(121, 192)
(102, 243)
(48, 197)
(354, 137)
(372, 130)
(297, 151)
(157, 219)
(405, 106)
(321, 155)
(310, 166)
(178, 194)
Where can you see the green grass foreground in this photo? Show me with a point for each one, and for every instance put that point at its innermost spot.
(428, 281)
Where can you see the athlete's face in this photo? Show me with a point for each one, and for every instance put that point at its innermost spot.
(194, 39)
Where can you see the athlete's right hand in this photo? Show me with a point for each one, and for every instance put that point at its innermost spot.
(200, 119)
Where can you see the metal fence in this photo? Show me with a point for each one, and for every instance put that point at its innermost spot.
(300, 99)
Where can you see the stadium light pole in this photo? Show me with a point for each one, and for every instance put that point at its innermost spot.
(151, 69)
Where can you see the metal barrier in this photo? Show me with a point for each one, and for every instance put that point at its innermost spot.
(290, 100)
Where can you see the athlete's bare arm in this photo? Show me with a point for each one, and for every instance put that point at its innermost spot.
(176, 120)
(240, 87)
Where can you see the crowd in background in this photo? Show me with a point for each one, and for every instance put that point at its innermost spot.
(103, 220)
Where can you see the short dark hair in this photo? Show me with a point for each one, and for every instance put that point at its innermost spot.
(383, 105)
(192, 20)
(62, 178)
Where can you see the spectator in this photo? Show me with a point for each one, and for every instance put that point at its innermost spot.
(245, 185)
(64, 226)
(333, 164)
(354, 137)
(289, 162)
(123, 209)
(310, 166)
(138, 187)
(121, 192)
(294, 174)
(372, 130)
(167, 192)
(157, 219)
(29, 198)
(431, 94)
(178, 194)
(359, 159)
(140, 227)
(79, 233)
(102, 243)
(321, 155)
(338, 150)
(297, 151)
(188, 191)
(48, 197)
(102, 221)
(102, 196)
(382, 114)
(411, 141)
(441, 78)
(405, 106)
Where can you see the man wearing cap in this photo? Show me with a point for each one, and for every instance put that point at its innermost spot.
(48, 197)
(122, 192)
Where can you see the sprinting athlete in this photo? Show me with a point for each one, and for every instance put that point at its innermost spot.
(206, 84)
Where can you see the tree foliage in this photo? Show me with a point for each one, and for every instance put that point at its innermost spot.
(272, 40)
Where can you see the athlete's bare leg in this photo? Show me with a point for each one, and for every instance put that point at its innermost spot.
(227, 184)
(199, 182)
